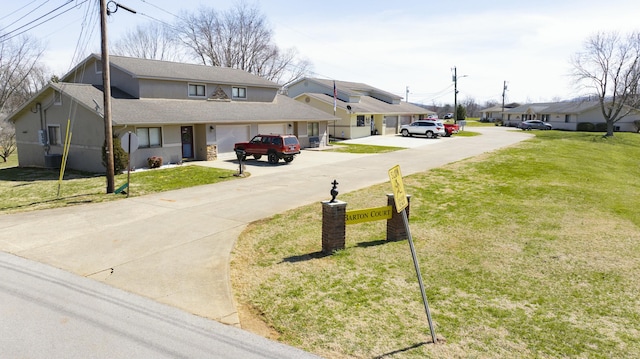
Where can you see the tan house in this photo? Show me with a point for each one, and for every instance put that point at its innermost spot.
(567, 115)
(178, 112)
(361, 110)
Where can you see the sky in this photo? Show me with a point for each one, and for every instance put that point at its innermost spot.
(408, 48)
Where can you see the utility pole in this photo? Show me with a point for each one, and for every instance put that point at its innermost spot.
(455, 95)
(504, 89)
(406, 98)
(106, 83)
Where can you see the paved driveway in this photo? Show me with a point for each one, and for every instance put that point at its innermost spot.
(174, 247)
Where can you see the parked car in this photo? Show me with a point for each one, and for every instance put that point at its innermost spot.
(433, 116)
(535, 124)
(449, 128)
(448, 116)
(275, 147)
(431, 129)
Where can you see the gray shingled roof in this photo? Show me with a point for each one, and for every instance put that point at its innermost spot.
(568, 107)
(354, 88)
(156, 69)
(370, 105)
(131, 111)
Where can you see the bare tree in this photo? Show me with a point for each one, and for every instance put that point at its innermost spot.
(609, 66)
(21, 74)
(239, 38)
(151, 41)
(7, 140)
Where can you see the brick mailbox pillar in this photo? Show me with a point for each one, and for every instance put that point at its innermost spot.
(333, 225)
(395, 225)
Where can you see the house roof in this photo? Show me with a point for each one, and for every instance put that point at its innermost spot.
(127, 110)
(167, 70)
(354, 88)
(370, 105)
(568, 107)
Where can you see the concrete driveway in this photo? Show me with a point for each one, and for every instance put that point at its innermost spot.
(174, 247)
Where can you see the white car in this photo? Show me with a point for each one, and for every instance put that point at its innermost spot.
(431, 129)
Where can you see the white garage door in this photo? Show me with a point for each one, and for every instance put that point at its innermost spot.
(278, 128)
(228, 135)
(391, 125)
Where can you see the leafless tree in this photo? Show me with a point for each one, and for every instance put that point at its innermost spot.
(7, 140)
(151, 41)
(21, 74)
(609, 66)
(239, 38)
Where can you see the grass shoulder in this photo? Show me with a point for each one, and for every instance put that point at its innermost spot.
(360, 148)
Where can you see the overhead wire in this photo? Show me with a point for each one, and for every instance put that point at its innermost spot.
(23, 16)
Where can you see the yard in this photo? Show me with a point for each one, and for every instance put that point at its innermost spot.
(528, 252)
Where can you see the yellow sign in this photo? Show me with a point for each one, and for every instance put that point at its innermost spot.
(399, 195)
(368, 215)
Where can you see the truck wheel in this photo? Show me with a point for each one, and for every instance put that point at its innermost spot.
(257, 157)
(429, 134)
(272, 158)
(405, 133)
(288, 159)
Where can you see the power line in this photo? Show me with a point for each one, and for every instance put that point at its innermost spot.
(6, 36)
(22, 17)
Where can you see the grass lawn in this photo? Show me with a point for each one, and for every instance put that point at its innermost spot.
(27, 189)
(528, 252)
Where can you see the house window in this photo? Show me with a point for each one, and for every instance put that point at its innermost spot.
(313, 128)
(239, 92)
(57, 98)
(567, 118)
(360, 121)
(196, 90)
(53, 133)
(98, 67)
(149, 137)
(545, 118)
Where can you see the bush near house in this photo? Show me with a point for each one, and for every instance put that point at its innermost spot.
(154, 161)
(586, 127)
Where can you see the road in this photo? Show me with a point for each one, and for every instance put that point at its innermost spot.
(173, 248)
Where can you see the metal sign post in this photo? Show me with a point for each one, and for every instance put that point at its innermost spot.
(129, 143)
(401, 202)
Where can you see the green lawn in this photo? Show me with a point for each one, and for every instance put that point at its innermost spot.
(527, 252)
(27, 189)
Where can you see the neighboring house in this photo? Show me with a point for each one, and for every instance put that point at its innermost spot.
(496, 112)
(567, 115)
(362, 110)
(178, 112)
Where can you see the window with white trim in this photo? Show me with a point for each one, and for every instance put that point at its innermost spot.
(238, 92)
(313, 128)
(98, 66)
(149, 137)
(196, 90)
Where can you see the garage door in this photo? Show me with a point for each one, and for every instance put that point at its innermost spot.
(391, 125)
(276, 128)
(228, 135)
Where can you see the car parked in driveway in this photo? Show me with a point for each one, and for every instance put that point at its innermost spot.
(275, 147)
(431, 129)
(535, 124)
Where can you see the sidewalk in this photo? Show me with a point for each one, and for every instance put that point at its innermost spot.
(174, 247)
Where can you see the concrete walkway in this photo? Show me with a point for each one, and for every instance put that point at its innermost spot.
(174, 247)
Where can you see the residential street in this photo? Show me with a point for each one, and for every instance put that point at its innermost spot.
(173, 248)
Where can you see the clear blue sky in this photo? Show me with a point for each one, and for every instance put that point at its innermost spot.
(387, 44)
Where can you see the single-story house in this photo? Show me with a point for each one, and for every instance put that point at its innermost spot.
(361, 110)
(567, 115)
(178, 112)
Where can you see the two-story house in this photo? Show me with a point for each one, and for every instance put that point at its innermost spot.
(178, 112)
(362, 110)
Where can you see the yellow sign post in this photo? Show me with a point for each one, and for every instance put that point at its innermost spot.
(401, 202)
(399, 195)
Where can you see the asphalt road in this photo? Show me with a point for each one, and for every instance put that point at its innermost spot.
(173, 249)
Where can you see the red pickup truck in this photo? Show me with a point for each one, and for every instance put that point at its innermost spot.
(451, 128)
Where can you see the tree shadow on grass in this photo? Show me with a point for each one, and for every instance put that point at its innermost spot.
(305, 257)
(27, 174)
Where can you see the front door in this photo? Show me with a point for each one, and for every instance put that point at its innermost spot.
(187, 141)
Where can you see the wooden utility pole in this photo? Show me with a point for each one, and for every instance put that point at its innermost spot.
(504, 89)
(106, 82)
